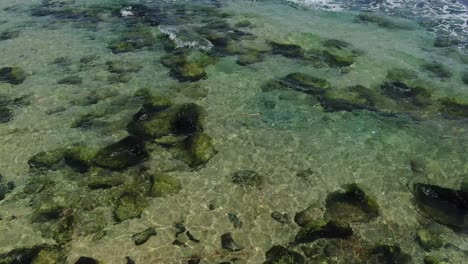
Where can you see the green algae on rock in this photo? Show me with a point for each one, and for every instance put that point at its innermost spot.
(142, 237)
(249, 58)
(446, 206)
(163, 185)
(305, 83)
(50, 255)
(9, 34)
(382, 21)
(433, 260)
(350, 99)
(46, 159)
(184, 119)
(317, 229)
(227, 242)
(119, 66)
(437, 69)
(386, 254)
(103, 179)
(13, 75)
(71, 80)
(80, 157)
(195, 150)
(453, 107)
(247, 178)
(287, 50)
(128, 206)
(353, 205)
(125, 153)
(428, 240)
(281, 255)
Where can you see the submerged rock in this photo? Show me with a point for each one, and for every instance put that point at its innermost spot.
(465, 77)
(195, 150)
(354, 205)
(125, 153)
(227, 242)
(122, 67)
(163, 185)
(382, 21)
(453, 107)
(249, 58)
(281, 255)
(6, 115)
(385, 254)
(24, 255)
(437, 69)
(129, 205)
(287, 50)
(305, 83)
(71, 80)
(103, 179)
(133, 40)
(142, 237)
(428, 240)
(335, 43)
(182, 119)
(403, 93)
(247, 178)
(13, 75)
(351, 99)
(314, 230)
(87, 260)
(434, 260)
(446, 206)
(235, 220)
(80, 157)
(46, 159)
(9, 34)
(282, 218)
(51, 255)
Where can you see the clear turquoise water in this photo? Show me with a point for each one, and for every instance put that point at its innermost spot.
(303, 145)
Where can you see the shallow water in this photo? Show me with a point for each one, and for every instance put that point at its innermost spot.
(303, 144)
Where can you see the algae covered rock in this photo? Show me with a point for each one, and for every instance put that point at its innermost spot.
(195, 150)
(249, 58)
(24, 255)
(227, 242)
(385, 254)
(287, 50)
(46, 159)
(353, 205)
(247, 178)
(125, 153)
(51, 255)
(437, 69)
(446, 206)
(87, 260)
(453, 107)
(188, 72)
(71, 80)
(349, 99)
(281, 255)
(80, 157)
(103, 179)
(122, 67)
(142, 237)
(383, 21)
(305, 83)
(433, 260)
(428, 240)
(133, 40)
(163, 185)
(13, 75)
(184, 119)
(129, 205)
(314, 230)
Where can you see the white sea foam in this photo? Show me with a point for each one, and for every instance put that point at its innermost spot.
(185, 37)
(446, 15)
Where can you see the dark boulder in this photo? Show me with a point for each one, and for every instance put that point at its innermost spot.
(446, 206)
(314, 230)
(125, 153)
(281, 255)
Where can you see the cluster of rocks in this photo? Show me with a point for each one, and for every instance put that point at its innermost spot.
(392, 97)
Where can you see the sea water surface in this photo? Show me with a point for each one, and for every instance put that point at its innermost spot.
(233, 131)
